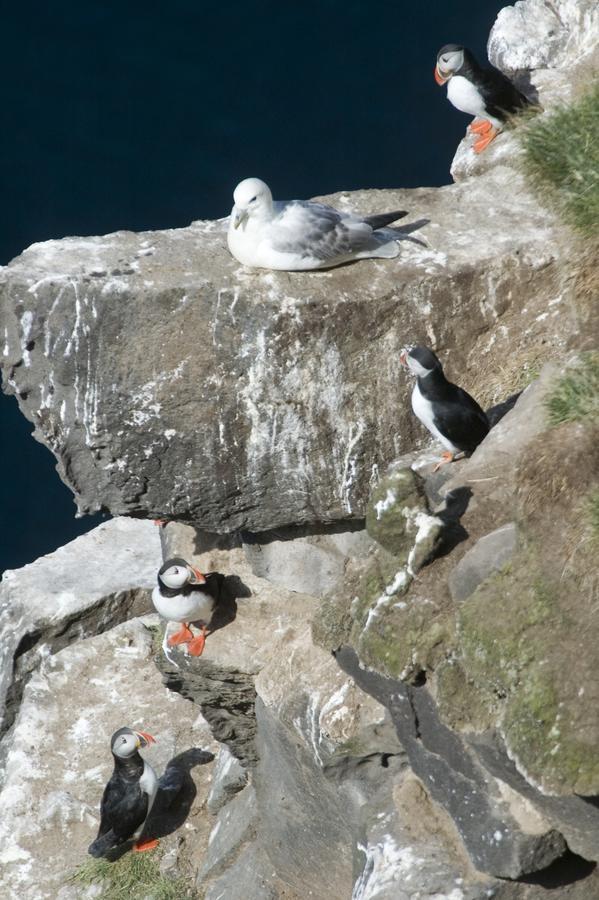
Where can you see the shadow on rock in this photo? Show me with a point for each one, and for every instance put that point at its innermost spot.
(496, 413)
(225, 589)
(569, 869)
(176, 792)
(293, 532)
(456, 504)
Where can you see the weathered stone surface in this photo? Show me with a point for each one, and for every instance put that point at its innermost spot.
(326, 757)
(87, 586)
(554, 35)
(229, 777)
(547, 47)
(58, 757)
(488, 555)
(366, 607)
(170, 381)
(305, 559)
(500, 838)
(234, 828)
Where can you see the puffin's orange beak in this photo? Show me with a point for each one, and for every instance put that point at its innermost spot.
(403, 358)
(197, 575)
(146, 738)
(440, 79)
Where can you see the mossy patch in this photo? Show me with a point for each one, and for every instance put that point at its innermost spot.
(133, 875)
(403, 642)
(575, 397)
(561, 158)
(461, 704)
(517, 636)
(388, 517)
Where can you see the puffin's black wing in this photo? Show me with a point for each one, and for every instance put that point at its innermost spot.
(501, 96)
(461, 420)
(124, 808)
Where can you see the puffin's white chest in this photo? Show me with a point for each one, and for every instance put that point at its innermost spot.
(149, 785)
(191, 607)
(423, 410)
(465, 96)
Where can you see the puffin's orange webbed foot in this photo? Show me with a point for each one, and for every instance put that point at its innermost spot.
(481, 127)
(142, 846)
(183, 636)
(196, 647)
(446, 457)
(483, 142)
(160, 522)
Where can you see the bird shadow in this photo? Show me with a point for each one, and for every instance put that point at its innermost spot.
(496, 413)
(174, 799)
(456, 504)
(226, 590)
(176, 793)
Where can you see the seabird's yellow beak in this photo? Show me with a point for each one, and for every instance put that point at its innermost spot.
(239, 217)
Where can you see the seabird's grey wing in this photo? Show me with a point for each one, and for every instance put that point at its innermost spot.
(381, 220)
(315, 231)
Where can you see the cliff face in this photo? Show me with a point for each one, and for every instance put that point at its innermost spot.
(400, 690)
(171, 382)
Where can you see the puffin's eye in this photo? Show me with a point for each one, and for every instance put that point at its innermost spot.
(123, 740)
(253, 198)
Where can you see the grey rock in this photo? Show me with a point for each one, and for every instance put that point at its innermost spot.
(57, 757)
(251, 876)
(228, 779)
(490, 554)
(225, 696)
(500, 840)
(298, 411)
(577, 818)
(537, 34)
(304, 559)
(234, 827)
(91, 584)
(303, 815)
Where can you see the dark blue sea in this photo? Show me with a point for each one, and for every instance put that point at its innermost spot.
(146, 115)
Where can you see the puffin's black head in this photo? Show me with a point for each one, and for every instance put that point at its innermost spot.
(176, 574)
(450, 60)
(125, 742)
(420, 361)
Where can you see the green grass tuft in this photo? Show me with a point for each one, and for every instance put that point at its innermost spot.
(562, 159)
(576, 395)
(133, 875)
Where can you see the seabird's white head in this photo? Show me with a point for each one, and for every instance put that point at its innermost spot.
(420, 361)
(125, 742)
(252, 199)
(176, 573)
(450, 60)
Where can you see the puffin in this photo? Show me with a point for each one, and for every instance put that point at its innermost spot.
(183, 595)
(446, 410)
(128, 796)
(482, 92)
(301, 235)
